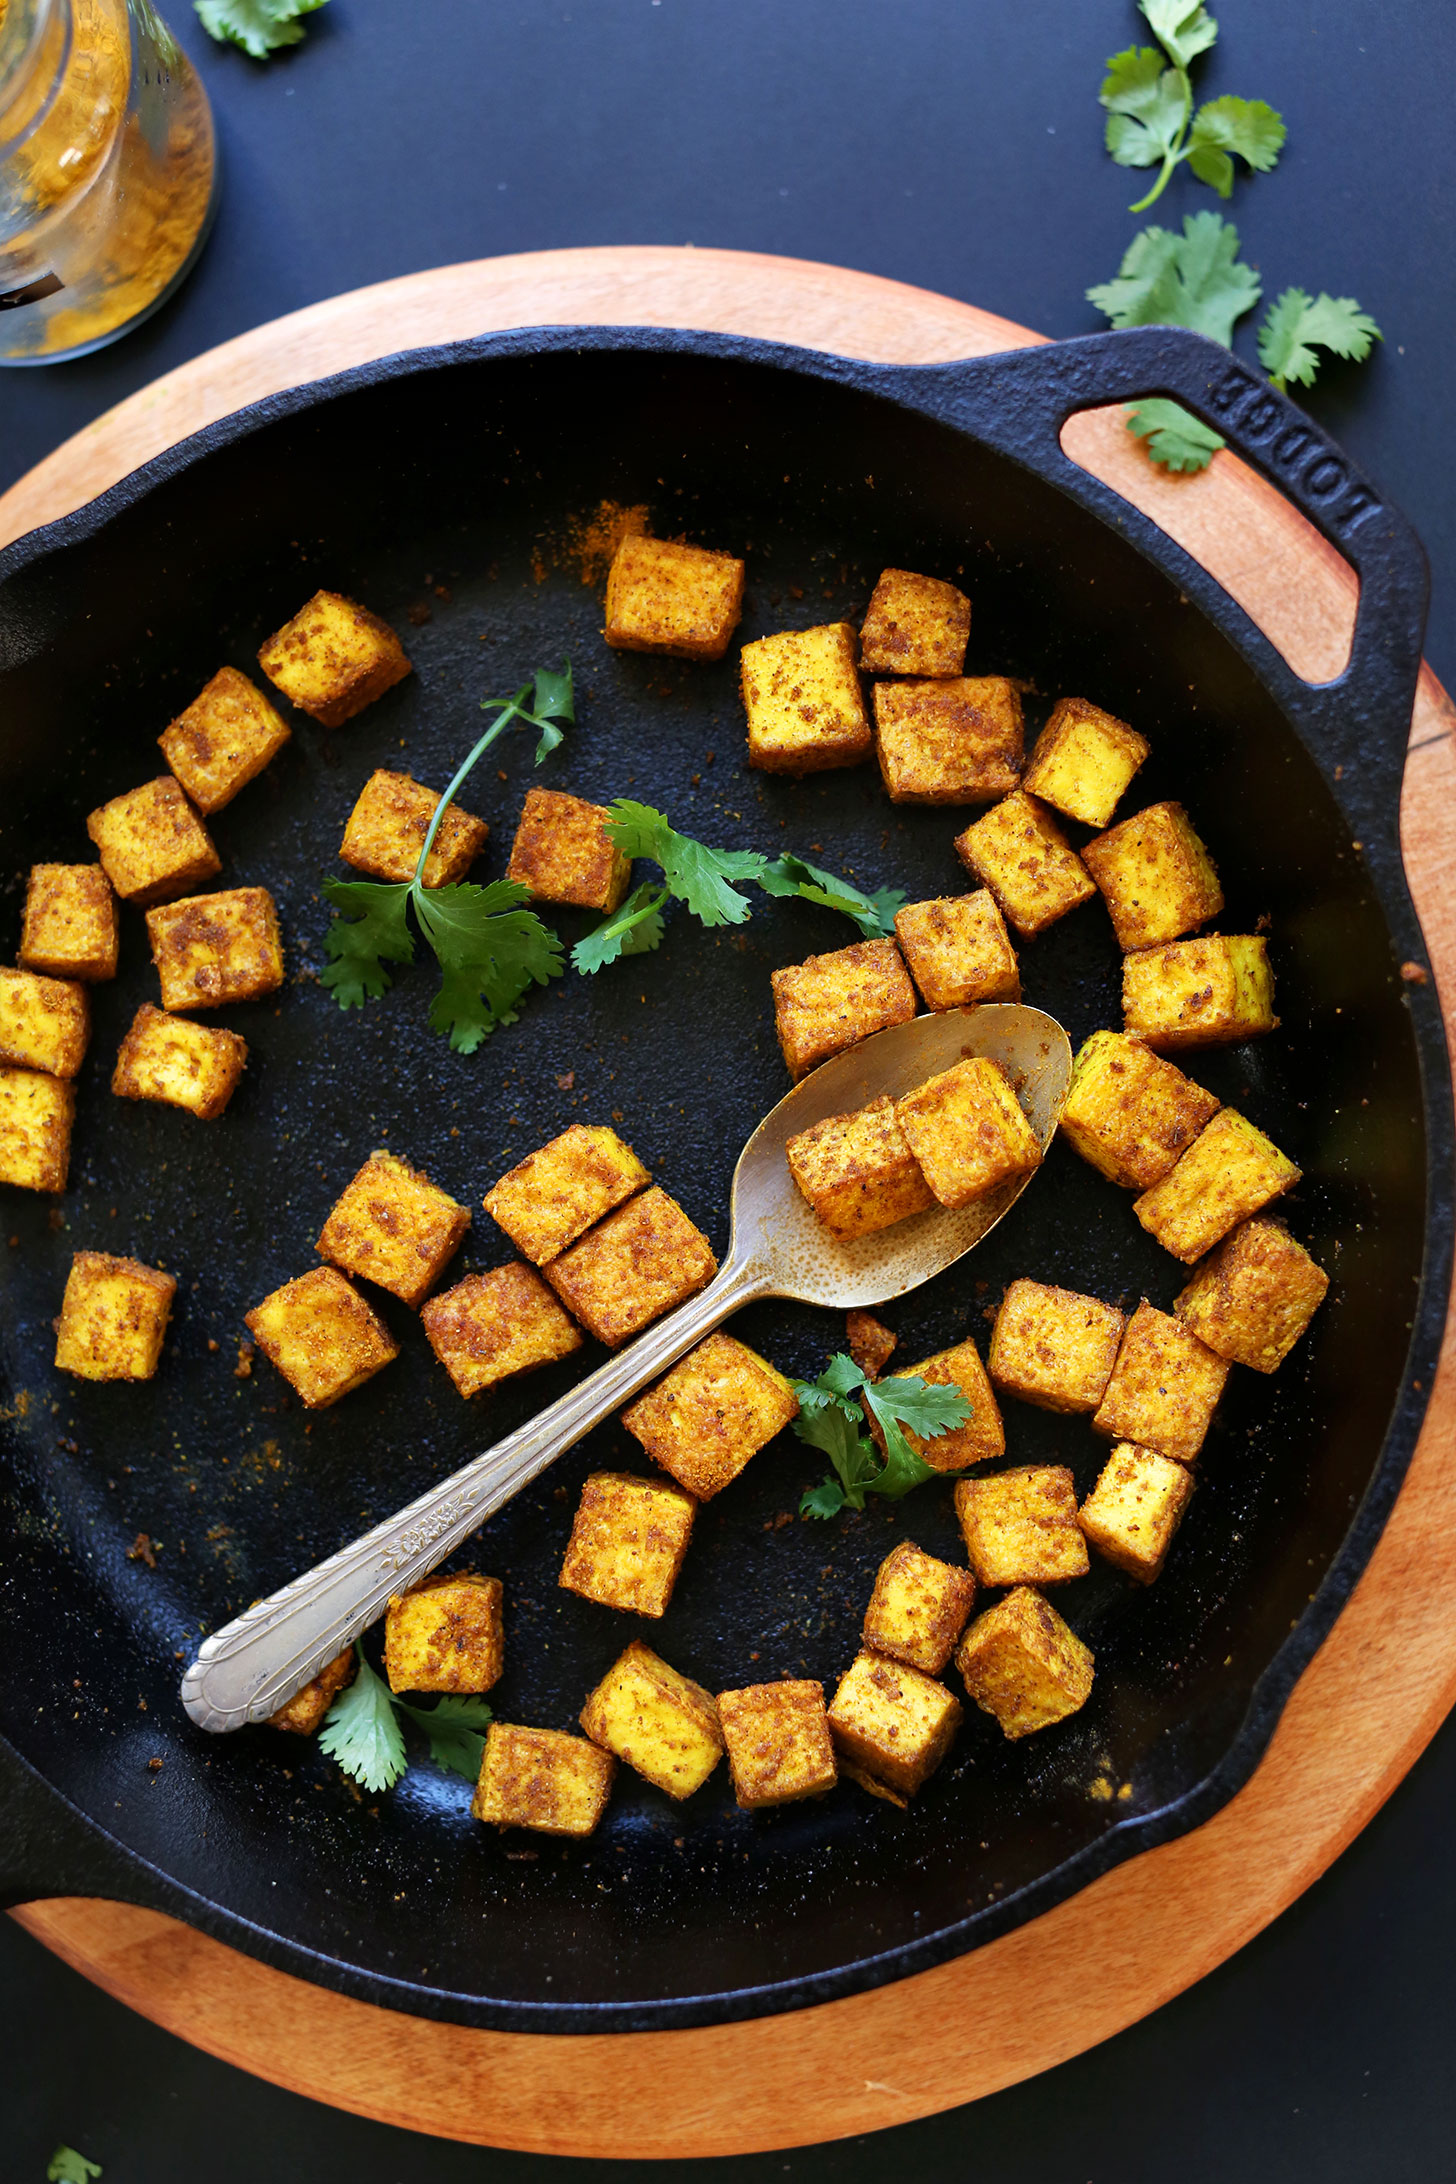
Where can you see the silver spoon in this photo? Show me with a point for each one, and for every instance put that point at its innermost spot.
(778, 1248)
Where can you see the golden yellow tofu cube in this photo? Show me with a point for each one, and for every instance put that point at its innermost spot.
(779, 1746)
(492, 1325)
(958, 950)
(892, 1721)
(857, 1171)
(1209, 992)
(805, 708)
(914, 625)
(304, 1713)
(224, 740)
(69, 928)
(555, 1194)
(1020, 1527)
(213, 949)
(634, 1266)
(1136, 1506)
(44, 1022)
(717, 1408)
(542, 1779)
(1054, 1348)
(869, 1342)
(966, 1128)
(953, 742)
(322, 1336)
(918, 1608)
(1229, 1171)
(1022, 855)
(446, 1634)
(665, 597)
(628, 1542)
(395, 1227)
(831, 1002)
(151, 843)
(36, 1113)
(1129, 1113)
(113, 1318)
(1023, 1665)
(181, 1064)
(655, 1720)
(1254, 1296)
(387, 829)
(983, 1436)
(1155, 876)
(1084, 759)
(1164, 1388)
(563, 852)
(333, 658)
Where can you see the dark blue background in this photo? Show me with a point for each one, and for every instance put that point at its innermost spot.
(954, 144)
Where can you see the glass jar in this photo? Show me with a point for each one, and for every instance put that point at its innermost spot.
(107, 172)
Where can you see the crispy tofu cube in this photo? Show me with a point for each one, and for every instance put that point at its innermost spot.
(655, 1720)
(555, 1194)
(956, 742)
(805, 707)
(918, 1608)
(915, 625)
(224, 740)
(779, 1747)
(1022, 855)
(1209, 992)
(966, 1128)
(628, 1542)
(182, 1064)
(36, 1113)
(542, 1779)
(718, 1407)
(333, 659)
(113, 1318)
(1023, 1666)
(152, 845)
(387, 829)
(1129, 1113)
(1229, 1171)
(322, 1336)
(213, 949)
(869, 1342)
(663, 597)
(1254, 1296)
(1155, 876)
(831, 1002)
(1054, 1348)
(1020, 1527)
(395, 1227)
(634, 1266)
(490, 1326)
(304, 1713)
(563, 852)
(892, 1722)
(1136, 1506)
(983, 1436)
(1084, 759)
(1164, 1388)
(958, 950)
(857, 1171)
(69, 929)
(44, 1022)
(446, 1634)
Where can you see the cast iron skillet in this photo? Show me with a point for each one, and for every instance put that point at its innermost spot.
(452, 480)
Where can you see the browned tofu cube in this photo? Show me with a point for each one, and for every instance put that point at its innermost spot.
(555, 1194)
(387, 829)
(634, 1266)
(1084, 759)
(304, 1713)
(333, 659)
(915, 625)
(446, 1634)
(857, 1171)
(36, 1113)
(1136, 1506)
(664, 597)
(213, 949)
(1155, 876)
(918, 1608)
(1129, 1113)
(395, 1227)
(224, 740)
(113, 1318)
(628, 1542)
(966, 1128)
(983, 1436)
(957, 742)
(1023, 1666)
(1253, 1297)
(718, 1407)
(893, 1722)
(542, 1779)
(805, 707)
(958, 950)
(181, 1064)
(152, 845)
(655, 1720)
(1229, 1171)
(869, 1342)
(44, 1022)
(490, 1326)
(1210, 992)
(322, 1336)
(1164, 1388)
(1022, 855)
(779, 1747)
(69, 929)
(833, 1001)
(563, 852)
(1020, 1527)
(1055, 1348)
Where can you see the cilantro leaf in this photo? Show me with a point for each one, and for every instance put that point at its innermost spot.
(1173, 436)
(362, 1733)
(552, 700)
(824, 1500)
(634, 929)
(491, 951)
(834, 1431)
(873, 914)
(260, 27)
(829, 1419)
(1147, 105)
(1194, 279)
(1296, 324)
(456, 1730)
(358, 947)
(1249, 127)
(694, 873)
(66, 2166)
(1183, 28)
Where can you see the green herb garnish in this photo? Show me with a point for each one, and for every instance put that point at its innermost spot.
(1297, 324)
(832, 1412)
(1148, 94)
(66, 2166)
(260, 27)
(362, 1731)
(873, 914)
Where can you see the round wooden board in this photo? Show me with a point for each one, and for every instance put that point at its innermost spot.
(1364, 1710)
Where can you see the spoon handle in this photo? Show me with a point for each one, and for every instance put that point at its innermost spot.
(245, 1671)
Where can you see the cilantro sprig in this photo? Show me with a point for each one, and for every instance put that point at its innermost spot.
(873, 914)
(66, 2166)
(1151, 121)
(363, 1731)
(832, 1414)
(260, 27)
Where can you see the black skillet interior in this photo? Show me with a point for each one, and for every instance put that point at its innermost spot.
(457, 503)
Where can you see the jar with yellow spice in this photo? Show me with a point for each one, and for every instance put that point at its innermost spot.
(107, 172)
